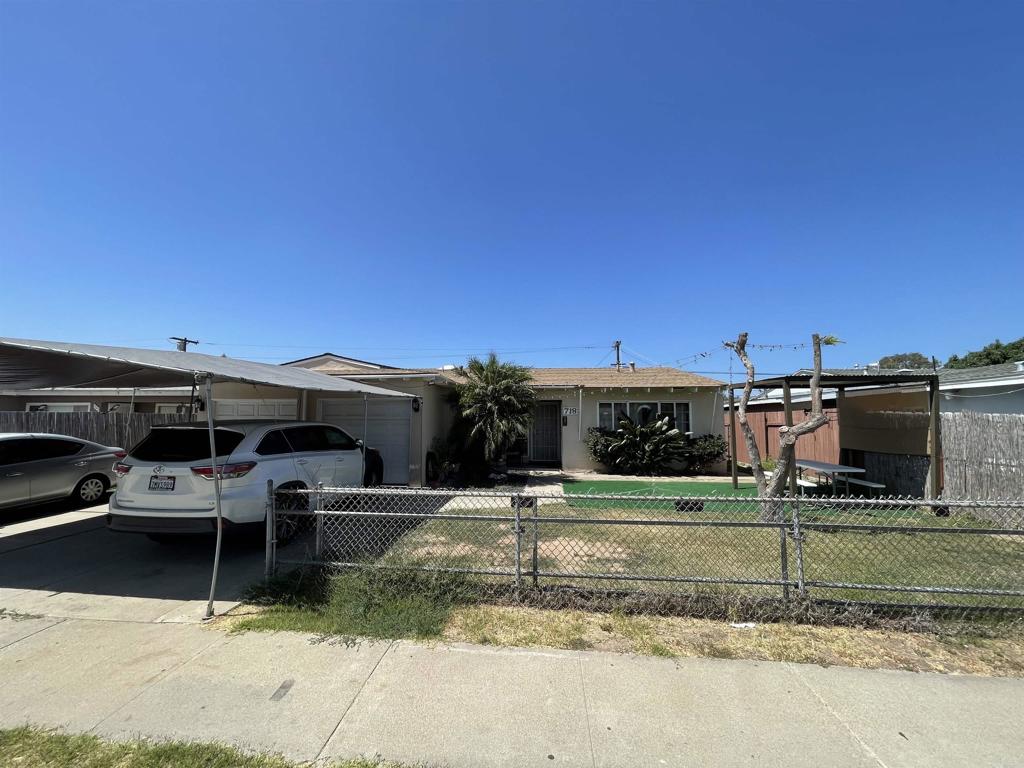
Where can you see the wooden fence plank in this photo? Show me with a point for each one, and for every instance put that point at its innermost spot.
(118, 429)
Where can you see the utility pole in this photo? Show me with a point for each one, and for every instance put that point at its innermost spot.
(183, 342)
(618, 358)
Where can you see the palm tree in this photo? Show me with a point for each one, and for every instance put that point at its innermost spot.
(498, 401)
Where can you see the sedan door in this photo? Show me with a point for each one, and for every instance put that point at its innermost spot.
(14, 488)
(56, 469)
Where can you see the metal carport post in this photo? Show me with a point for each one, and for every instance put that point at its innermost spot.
(31, 364)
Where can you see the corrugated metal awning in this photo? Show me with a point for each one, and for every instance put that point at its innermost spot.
(30, 364)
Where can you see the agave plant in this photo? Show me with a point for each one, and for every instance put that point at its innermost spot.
(641, 449)
(496, 398)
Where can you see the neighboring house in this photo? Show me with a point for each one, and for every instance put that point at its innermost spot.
(570, 401)
(884, 429)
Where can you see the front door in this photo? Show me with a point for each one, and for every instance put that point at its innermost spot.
(545, 444)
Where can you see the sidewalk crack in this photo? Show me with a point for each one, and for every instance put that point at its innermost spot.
(831, 710)
(344, 714)
(159, 677)
(586, 713)
(33, 634)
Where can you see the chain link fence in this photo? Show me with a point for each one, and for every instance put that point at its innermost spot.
(820, 559)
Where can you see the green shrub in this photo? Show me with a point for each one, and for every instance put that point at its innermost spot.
(704, 452)
(639, 449)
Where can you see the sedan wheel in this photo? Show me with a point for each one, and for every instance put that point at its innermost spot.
(91, 489)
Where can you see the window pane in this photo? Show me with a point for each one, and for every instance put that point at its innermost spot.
(668, 411)
(273, 444)
(643, 413)
(621, 412)
(683, 417)
(166, 444)
(337, 440)
(604, 417)
(16, 450)
(304, 439)
(50, 448)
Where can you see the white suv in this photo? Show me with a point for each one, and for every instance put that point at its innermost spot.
(165, 482)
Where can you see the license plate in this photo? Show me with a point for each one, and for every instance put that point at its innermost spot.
(161, 483)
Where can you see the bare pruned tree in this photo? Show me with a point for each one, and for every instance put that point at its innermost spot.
(788, 436)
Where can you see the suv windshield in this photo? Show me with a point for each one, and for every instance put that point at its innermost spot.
(184, 444)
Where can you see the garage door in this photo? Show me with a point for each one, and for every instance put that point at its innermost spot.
(388, 423)
(254, 409)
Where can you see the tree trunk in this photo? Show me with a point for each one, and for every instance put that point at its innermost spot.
(775, 487)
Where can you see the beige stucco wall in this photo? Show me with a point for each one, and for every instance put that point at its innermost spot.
(433, 420)
(705, 414)
(884, 422)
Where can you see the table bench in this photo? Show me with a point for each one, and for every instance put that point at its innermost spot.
(866, 484)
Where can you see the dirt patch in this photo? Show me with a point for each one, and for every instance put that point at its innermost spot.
(435, 548)
(579, 555)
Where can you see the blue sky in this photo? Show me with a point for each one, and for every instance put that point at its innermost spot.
(412, 182)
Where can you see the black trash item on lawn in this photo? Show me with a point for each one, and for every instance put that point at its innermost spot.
(689, 505)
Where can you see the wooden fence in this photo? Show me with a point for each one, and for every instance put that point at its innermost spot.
(120, 429)
(821, 445)
(983, 455)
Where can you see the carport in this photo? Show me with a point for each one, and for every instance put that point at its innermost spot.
(31, 364)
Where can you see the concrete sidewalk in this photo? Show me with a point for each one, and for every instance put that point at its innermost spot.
(472, 706)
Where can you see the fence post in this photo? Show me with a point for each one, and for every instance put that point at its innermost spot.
(798, 542)
(536, 536)
(270, 556)
(783, 554)
(517, 501)
(317, 504)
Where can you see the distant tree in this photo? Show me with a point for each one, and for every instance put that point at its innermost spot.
(905, 360)
(991, 354)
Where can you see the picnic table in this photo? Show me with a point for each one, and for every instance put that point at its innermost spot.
(829, 470)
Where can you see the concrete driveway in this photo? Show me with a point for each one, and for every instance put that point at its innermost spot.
(68, 565)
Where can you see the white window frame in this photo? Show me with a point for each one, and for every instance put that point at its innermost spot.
(614, 402)
(88, 407)
(170, 408)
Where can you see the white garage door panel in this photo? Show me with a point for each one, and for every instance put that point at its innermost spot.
(248, 409)
(388, 425)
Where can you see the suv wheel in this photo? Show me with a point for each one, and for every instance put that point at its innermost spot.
(287, 526)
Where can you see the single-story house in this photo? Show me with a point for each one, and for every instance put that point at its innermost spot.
(570, 401)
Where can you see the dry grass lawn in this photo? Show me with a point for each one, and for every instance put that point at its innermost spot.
(1001, 655)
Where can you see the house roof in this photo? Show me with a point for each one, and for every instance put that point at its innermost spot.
(339, 361)
(947, 376)
(611, 378)
(1001, 375)
(605, 377)
(32, 364)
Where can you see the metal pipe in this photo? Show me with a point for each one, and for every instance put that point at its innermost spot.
(216, 494)
(362, 465)
(798, 542)
(784, 558)
(579, 415)
(517, 501)
(268, 561)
